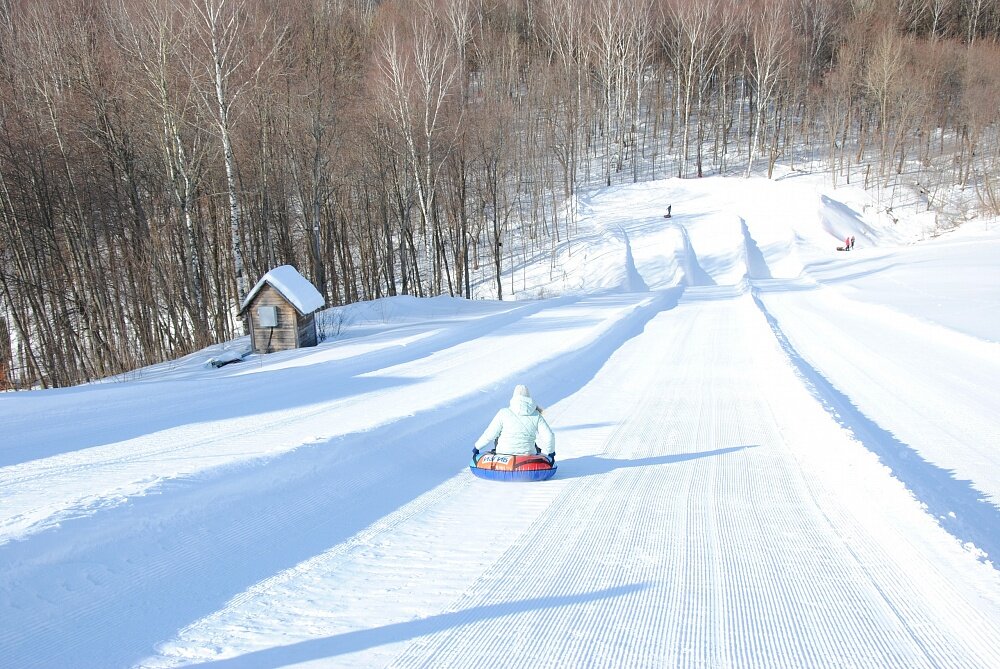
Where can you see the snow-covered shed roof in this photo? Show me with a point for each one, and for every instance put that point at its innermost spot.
(293, 286)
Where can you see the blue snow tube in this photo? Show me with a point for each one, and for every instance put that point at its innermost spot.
(497, 467)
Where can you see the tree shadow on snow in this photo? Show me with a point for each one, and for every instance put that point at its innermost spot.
(865, 270)
(261, 384)
(359, 640)
(591, 465)
(209, 537)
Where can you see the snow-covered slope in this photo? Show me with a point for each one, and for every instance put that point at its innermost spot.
(771, 454)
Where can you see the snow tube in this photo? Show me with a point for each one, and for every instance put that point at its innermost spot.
(496, 467)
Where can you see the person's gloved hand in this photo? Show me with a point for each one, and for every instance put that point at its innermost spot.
(552, 456)
(475, 452)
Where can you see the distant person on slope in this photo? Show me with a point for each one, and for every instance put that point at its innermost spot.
(519, 429)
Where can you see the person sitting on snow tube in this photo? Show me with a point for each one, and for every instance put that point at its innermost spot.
(518, 428)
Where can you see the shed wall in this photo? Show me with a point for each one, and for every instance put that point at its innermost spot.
(307, 330)
(281, 338)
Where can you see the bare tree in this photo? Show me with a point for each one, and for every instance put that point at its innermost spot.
(979, 112)
(817, 22)
(939, 13)
(153, 38)
(975, 11)
(696, 35)
(324, 57)
(223, 61)
(562, 24)
(418, 80)
(885, 67)
(770, 43)
(155, 152)
(620, 53)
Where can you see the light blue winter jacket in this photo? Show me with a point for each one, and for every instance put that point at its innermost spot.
(519, 427)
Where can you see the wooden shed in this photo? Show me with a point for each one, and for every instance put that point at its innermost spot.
(280, 309)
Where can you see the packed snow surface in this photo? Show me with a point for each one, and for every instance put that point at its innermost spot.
(771, 454)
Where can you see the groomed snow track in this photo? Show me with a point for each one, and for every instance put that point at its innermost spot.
(716, 515)
(721, 502)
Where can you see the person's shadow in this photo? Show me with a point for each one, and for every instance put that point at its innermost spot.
(591, 465)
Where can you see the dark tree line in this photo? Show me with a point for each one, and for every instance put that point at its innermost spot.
(158, 156)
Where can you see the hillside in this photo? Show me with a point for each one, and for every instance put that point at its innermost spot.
(771, 453)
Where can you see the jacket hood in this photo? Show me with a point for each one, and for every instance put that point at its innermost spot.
(522, 405)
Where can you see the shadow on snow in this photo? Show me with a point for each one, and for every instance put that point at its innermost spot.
(352, 642)
(146, 408)
(961, 510)
(591, 465)
(208, 537)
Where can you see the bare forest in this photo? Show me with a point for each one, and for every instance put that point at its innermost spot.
(158, 156)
